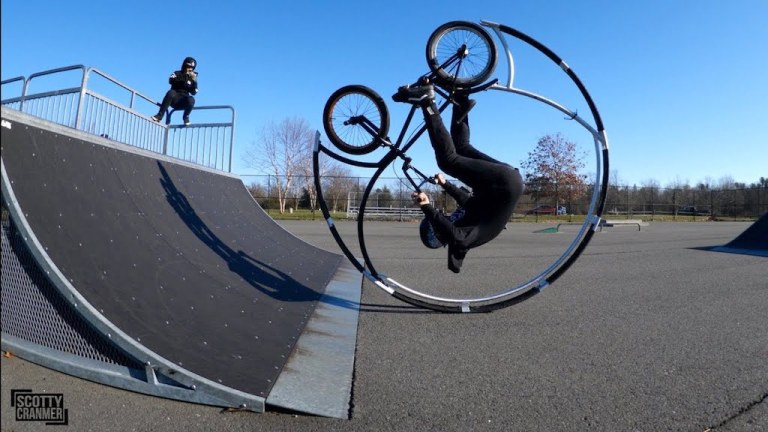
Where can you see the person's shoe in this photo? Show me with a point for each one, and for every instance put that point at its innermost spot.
(461, 98)
(186, 121)
(421, 95)
(467, 106)
(157, 118)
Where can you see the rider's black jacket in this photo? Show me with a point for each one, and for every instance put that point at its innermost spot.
(485, 215)
(183, 83)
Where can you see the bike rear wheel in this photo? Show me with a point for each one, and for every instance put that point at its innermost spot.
(355, 119)
(461, 54)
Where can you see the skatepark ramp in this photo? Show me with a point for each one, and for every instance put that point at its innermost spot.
(753, 241)
(138, 270)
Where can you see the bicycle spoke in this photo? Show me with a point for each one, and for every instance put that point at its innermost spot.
(355, 119)
(351, 113)
(475, 55)
(461, 53)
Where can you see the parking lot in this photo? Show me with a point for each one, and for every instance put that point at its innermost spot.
(648, 331)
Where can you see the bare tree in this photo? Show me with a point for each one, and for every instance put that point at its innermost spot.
(258, 191)
(284, 150)
(554, 166)
(306, 168)
(647, 195)
(726, 182)
(337, 183)
(307, 180)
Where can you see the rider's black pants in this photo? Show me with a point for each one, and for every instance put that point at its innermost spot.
(177, 100)
(486, 176)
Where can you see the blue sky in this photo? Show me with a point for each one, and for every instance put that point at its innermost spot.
(682, 86)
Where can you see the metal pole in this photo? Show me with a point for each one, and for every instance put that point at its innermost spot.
(83, 84)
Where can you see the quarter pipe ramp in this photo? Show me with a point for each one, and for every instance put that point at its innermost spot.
(753, 241)
(143, 272)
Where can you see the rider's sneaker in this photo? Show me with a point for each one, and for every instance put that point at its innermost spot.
(421, 95)
(186, 121)
(465, 106)
(469, 105)
(461, 98)
(157, 118)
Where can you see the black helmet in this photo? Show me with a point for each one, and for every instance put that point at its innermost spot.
(189, 62)
(428, 235)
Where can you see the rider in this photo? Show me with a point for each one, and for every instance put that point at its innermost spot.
(183, 85)
(496, 186)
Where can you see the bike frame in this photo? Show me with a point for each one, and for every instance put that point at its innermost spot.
(398, 149)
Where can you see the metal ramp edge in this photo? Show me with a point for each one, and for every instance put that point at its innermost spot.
(318, 376)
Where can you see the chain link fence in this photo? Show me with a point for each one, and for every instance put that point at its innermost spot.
(343, 195)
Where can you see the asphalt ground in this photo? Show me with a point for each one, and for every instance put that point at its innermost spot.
(647, 331)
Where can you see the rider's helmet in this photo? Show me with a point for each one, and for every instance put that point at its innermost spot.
(189, 62)
(428, 235)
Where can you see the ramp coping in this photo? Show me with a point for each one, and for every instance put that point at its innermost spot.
(317, 378)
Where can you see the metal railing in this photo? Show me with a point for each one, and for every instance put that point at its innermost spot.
(82, 107)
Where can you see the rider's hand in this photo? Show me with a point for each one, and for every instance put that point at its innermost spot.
(440, 179)
(420, 198)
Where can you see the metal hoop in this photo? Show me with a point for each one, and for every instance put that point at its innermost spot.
(513, 295)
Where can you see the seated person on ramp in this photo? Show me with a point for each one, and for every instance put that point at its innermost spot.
(496, 186)
(183, 85)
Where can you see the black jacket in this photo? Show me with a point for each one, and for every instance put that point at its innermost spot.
(186, 84)
(485, 217)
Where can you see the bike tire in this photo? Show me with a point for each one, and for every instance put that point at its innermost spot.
(356, 119)
(479, 60)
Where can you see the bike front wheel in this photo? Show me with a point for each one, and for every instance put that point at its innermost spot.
(461, 54)
(355, 119)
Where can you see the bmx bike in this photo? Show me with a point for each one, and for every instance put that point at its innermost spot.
(461, 56)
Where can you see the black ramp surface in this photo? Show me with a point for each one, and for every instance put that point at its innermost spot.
(753, 238)
(179, 258)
